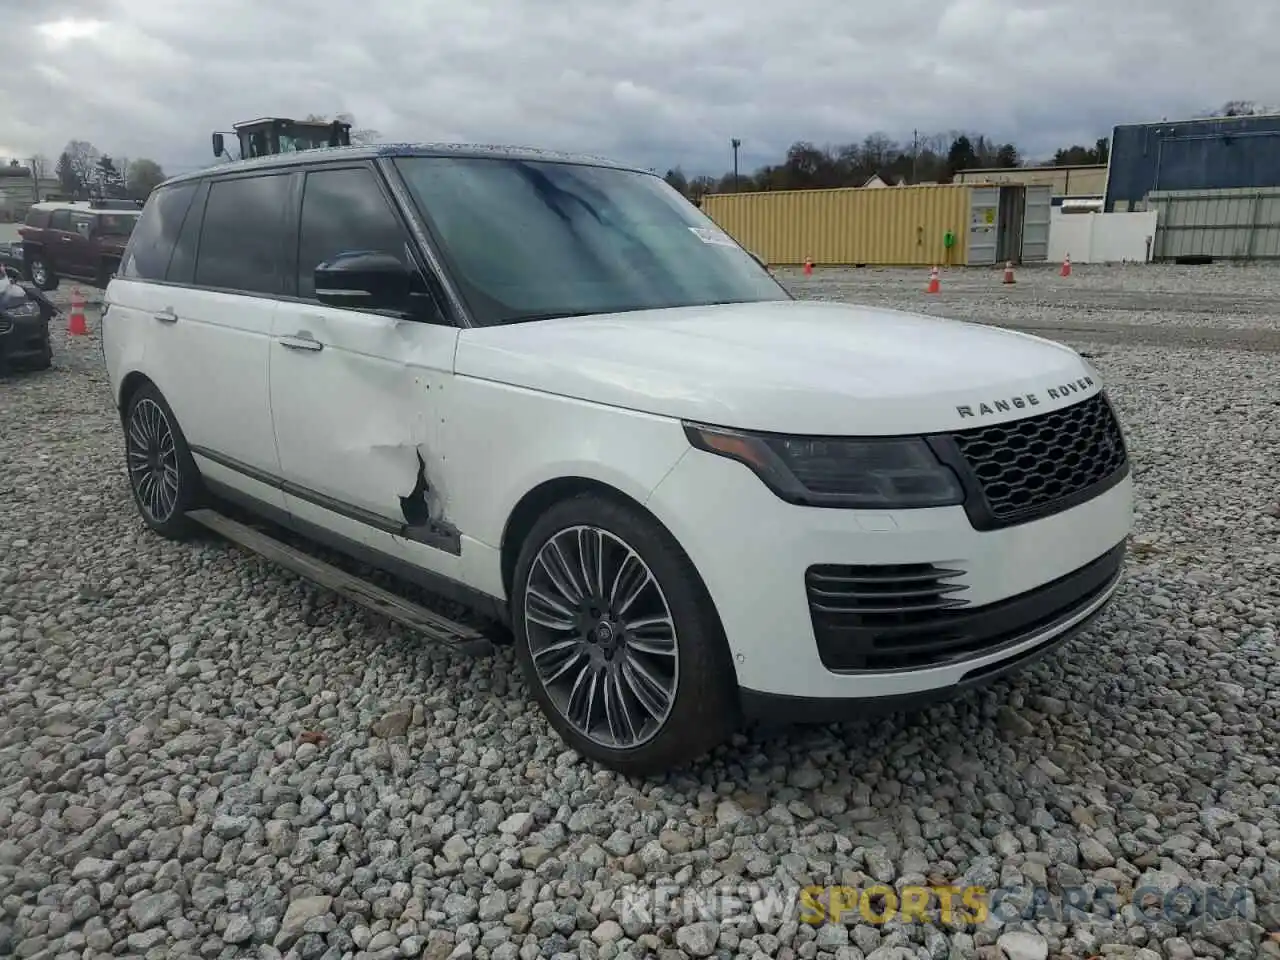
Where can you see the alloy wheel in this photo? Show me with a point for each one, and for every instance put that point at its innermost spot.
(153, 460)
(601, 637)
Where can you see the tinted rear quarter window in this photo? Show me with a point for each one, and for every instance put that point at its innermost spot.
(37, 218)
(182, 265)
(242, 242)
(152, 242)
(60, 220)
(343, 211)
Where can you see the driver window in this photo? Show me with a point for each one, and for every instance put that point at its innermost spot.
(344, 211)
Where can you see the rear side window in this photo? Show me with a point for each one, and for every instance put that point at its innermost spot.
(60, 220)
(147, 256)
(182, 265)
(343, 211)
(242, 242)
(37, 218)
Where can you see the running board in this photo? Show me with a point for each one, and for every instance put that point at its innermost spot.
(438, 628)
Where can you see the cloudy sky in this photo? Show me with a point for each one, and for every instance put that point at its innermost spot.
(654, 82)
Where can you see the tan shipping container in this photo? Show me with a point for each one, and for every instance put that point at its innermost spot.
(896, 226)
(1076, 181)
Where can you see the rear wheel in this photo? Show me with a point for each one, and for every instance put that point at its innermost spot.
(619, 640)
(162, 474)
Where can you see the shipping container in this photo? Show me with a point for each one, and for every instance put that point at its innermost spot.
(1222, 224)
(893, 226)
(1067, 181)
(1211, 154)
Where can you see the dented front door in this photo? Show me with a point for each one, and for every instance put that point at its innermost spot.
(355, 395)
(354, 400)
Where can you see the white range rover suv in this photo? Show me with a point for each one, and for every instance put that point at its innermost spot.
(550, 387)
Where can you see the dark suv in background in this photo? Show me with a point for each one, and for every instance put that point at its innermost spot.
(77, 240)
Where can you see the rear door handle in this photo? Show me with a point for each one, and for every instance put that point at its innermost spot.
(166, 315)
(302, 340)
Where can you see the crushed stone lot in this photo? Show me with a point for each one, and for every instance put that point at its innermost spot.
(202, 756)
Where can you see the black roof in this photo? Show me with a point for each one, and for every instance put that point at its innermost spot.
(369, 152)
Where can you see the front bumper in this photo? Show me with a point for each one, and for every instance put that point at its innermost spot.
(1024, 588)
(23, 339)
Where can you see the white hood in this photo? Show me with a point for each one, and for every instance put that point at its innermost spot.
(792, 367)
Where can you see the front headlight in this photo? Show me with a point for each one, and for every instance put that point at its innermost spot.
(27, 308)
(868, 473)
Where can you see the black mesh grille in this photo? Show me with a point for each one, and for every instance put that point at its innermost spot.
(1027, 466)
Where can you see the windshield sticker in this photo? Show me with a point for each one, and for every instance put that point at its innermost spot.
(710, 235)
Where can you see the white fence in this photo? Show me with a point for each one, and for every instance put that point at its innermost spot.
(1101, 237)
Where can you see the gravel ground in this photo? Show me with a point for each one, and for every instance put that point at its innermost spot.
(1236, 299)
(202, 756)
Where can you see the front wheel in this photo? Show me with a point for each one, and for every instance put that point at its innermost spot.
(619, 640)
(162, 475)
(40, 273)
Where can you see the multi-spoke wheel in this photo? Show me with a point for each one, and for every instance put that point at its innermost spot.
(153, 460)
(161, 473)
(618, 638)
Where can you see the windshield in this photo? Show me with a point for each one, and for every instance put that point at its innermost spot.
(534, 239)
(116, 224)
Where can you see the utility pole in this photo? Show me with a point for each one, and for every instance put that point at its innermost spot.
(735, 143)
(915, 152)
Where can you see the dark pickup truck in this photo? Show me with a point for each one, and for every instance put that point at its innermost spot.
(75, 240)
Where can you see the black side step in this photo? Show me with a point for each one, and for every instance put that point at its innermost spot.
(440, 629)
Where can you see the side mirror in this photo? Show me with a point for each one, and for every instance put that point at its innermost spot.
(364, 280)
(218, 145)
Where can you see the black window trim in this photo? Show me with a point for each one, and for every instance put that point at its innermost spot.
(453, 313)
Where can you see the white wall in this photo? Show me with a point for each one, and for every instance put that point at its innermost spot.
(1100, 237)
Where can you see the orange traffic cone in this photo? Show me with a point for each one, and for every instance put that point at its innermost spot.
(1008, 272)
(934, 284)
(808, 267)
(75, 320)
(1066, 265)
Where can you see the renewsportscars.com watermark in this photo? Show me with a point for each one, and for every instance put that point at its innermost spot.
(953, 906)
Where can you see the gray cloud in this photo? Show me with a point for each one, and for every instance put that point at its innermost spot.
(658, 82)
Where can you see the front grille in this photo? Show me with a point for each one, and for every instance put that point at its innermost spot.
(911, 617)
(1031, 467)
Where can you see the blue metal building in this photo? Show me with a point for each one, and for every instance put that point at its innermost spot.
(1210, 154)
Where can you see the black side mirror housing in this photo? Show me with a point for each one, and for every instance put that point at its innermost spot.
(364, 280)
(218, 145)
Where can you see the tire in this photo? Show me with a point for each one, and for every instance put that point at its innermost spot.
(41, 273)
(44, 361)
(148, 421)
(664, 730)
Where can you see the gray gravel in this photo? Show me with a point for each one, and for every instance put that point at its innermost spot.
(1138, 301)
(202, 756)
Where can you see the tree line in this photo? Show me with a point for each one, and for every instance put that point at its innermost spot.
(935, 158)
(85, 173)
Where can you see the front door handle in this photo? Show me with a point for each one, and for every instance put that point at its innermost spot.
(301, 340)
(166, 315)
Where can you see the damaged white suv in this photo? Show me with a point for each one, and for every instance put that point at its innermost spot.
(550, 387)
